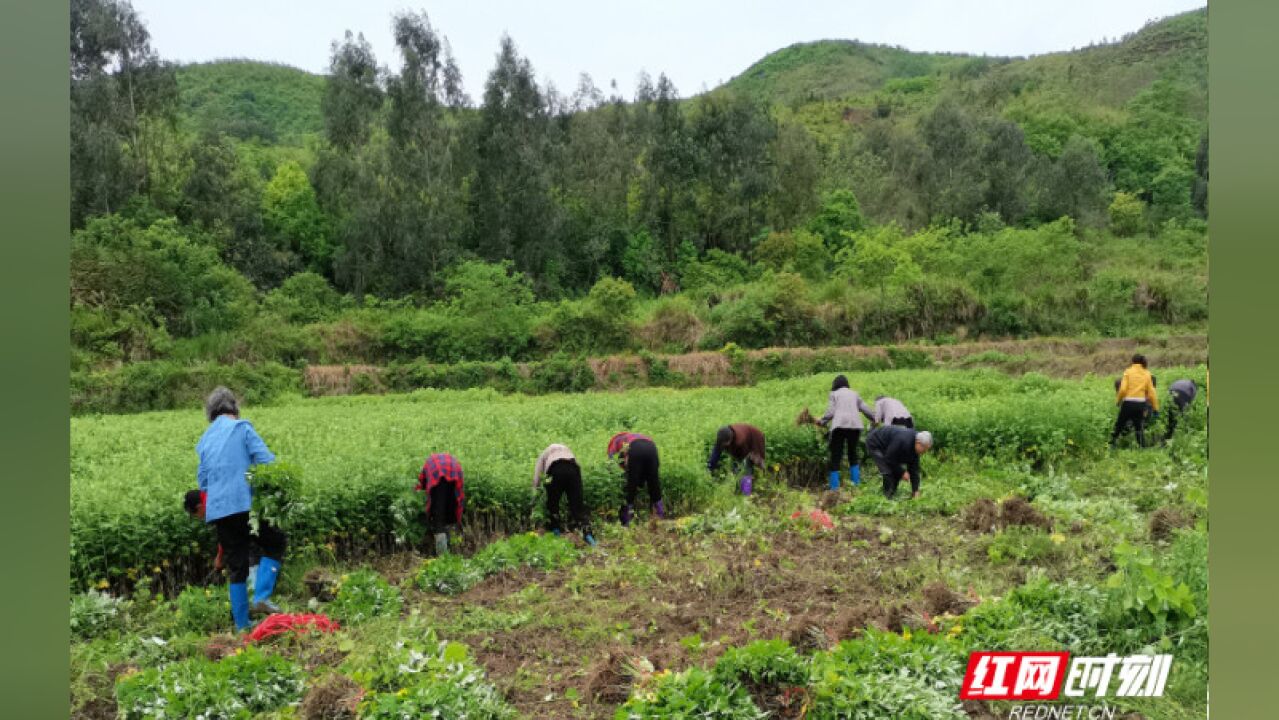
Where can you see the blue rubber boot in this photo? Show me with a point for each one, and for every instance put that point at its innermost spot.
(856, 473)
(590, 539)
(240, 606)
(659, 509)
(555, 532)
(264, 585)
(834, 479)
(747, 483)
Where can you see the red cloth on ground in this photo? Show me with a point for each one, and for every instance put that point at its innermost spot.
(819, 518)
(281, 623)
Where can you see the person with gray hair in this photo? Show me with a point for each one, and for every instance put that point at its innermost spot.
(896, 452)
(228, 448)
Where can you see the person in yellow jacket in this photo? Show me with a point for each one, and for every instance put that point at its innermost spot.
(1136, 394)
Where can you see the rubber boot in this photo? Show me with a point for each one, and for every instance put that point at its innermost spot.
(555, 532)
(659, 509)
(240, 606)
(834, 479)
(747, 483)
(264, 586)
(625, 515)
(855, 473)
(441, 543)
(590, 539)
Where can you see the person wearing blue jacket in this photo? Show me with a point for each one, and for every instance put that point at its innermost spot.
(228, 448)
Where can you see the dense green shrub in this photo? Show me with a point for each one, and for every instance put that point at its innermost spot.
(360, 456)
(362, 595)
(202, 610)
(239, 686)
(94, 613)
(690, 693)
(117, 263)
(452, 574)
(764, 662)
(424, 677)
(304, 298)
(164, 384)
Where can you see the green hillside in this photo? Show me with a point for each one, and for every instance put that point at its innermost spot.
(250, 99)
(1108, 75)
(830, 69)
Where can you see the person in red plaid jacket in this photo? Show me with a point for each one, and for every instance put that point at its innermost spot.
(441, 480)
(637, 456)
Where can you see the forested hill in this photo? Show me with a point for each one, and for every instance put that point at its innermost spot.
(250, 99)
(832, 194)
(281, 104)
(1106, 75)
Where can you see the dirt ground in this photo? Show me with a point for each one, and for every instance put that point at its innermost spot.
(699, 597)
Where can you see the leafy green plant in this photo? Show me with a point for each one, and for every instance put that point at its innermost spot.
(425, 677)
(763, 662)
(1140, 590)
(692, 693)
(239, 686)
(1024, 545)
(277, 493)
(543, 552)
(362, 595)
(450, 575)
(95, 612)
(202, 609)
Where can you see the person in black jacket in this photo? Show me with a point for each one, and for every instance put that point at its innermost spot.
(896, 452)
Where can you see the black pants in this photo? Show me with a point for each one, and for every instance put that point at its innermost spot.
(237, 539)
(1179, 404)
(838, 437)
(1134, 414)
(443, 507)
(642, 469)
(891, 475)
(904, 422)
(566, 479)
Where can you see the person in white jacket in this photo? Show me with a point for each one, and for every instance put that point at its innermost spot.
(842, 416)
(558, 462)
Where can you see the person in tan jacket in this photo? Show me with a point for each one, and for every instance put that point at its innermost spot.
(559, 463)
(1136, 395)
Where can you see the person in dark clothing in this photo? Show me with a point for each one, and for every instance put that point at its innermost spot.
(560, 464)
(842, 415)
(743, 443)
(637, 456)
(1183, 393)
(441, 479)
(227, 450)
(896, 452)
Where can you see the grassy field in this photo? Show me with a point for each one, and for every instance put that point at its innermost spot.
(1028, 535)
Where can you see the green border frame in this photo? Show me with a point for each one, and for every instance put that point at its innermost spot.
(34, 354)
(1244, 161)
(34, 200)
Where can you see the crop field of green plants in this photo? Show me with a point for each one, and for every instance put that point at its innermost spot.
(360, 455)
(1029, 534)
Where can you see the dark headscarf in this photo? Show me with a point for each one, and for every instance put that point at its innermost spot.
(840, 382)
(724, 436)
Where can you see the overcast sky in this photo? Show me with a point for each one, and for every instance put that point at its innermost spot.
(697, 44)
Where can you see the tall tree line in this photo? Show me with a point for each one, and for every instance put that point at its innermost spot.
(413, 176)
